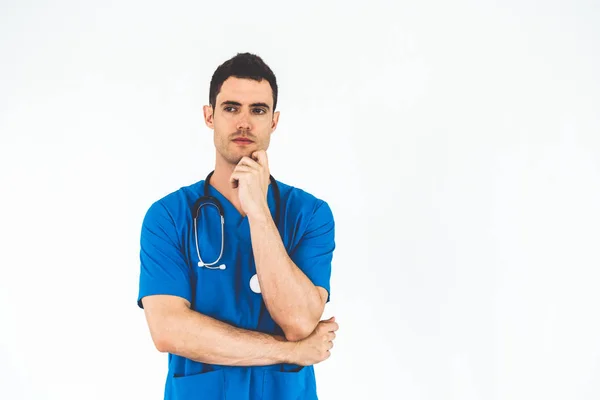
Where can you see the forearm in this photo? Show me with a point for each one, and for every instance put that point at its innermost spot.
(204, 339)
(292, 299)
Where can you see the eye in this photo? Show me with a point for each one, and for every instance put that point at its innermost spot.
(229, 109)
(259, 111)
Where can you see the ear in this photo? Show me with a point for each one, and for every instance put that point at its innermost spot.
(275, 121)
(209, 116)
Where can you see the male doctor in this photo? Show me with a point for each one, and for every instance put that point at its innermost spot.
(248, 327)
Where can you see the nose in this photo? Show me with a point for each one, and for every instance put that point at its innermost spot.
(243, 122)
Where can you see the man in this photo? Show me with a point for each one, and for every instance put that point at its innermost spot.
(246, 326)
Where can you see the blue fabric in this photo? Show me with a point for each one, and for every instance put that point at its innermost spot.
(169, 266)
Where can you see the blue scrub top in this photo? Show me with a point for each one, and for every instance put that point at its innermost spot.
(169, 266)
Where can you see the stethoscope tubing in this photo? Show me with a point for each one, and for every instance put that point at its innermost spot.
(207, 199)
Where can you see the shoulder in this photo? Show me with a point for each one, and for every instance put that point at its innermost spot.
(176, 204)
(309, 206)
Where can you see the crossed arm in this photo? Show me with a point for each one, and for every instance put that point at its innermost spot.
(292, 300)
(177, 329)
(294, 303)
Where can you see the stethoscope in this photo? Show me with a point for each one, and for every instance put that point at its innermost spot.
(208, 200)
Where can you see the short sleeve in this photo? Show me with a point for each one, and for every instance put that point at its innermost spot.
(314, 252)
(163, 269)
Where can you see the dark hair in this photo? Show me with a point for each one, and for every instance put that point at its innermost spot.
(243, 65)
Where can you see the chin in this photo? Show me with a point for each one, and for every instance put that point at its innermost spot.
(244, 153)
(234, 157)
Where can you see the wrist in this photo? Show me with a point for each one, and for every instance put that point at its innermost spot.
(261, 215)
(286, 351)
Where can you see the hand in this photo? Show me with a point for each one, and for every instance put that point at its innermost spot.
(251, 178)
(316, 348)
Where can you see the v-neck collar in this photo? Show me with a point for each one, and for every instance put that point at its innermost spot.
(240, 223)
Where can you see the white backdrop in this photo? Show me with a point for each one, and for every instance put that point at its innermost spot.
(457, 143)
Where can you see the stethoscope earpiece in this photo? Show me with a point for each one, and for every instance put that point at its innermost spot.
(201, 264)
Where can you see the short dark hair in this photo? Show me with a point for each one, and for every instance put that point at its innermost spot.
(243, 65)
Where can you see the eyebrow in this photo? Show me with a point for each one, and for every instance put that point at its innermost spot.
(238, 104)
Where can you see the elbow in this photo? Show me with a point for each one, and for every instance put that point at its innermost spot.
(164, 338)
(163, 343)
(300, 327)
(299, 331)
(165, 319)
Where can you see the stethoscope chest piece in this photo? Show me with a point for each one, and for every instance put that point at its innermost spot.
(254, 286)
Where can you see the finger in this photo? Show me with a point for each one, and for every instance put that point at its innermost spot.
(332, 326)
(261, 157)
(241, 174)
(330, 343)
(329, 325)
(243, 168)
(235, 178)
(249, 162)
(331, 335)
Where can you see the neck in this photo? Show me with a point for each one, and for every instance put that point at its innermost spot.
(220, 180)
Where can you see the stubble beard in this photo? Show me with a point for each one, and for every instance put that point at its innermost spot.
(233, 158)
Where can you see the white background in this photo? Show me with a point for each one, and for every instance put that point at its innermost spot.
(457, 143)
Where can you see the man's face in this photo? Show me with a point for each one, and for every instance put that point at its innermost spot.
(243, 118)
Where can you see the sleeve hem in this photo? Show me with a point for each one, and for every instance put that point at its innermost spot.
(183, 296)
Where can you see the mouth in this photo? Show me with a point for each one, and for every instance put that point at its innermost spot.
(242, 141)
